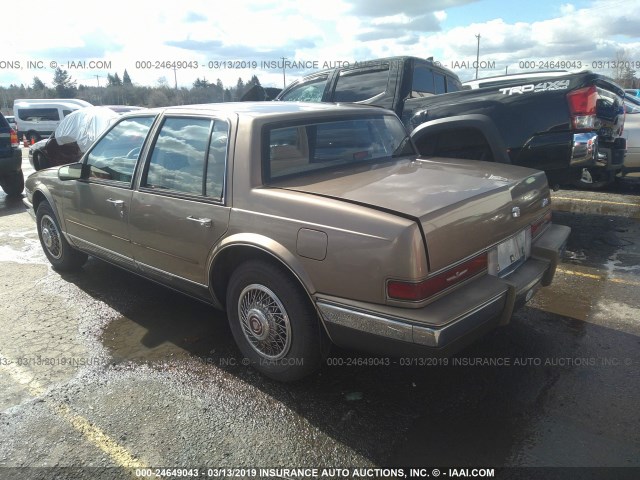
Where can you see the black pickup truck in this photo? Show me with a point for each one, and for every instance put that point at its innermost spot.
(562, 124)
(11, 178)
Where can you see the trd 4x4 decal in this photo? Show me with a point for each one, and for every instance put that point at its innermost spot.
(538, 87)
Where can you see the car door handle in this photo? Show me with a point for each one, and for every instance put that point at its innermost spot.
(205, 222)
(116, 203)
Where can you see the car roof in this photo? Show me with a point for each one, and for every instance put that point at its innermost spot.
(263, 109)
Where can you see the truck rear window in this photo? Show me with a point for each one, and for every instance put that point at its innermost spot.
(300, 149)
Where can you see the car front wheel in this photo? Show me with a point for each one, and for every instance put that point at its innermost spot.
(61, 255)
(273, 322)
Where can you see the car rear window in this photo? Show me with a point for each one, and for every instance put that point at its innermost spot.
(305, 148)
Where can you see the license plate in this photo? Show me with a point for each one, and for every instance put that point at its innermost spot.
(511, 253)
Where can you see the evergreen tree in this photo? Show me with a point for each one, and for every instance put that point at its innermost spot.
(38, 84)
(239, 88)
(201, 83)
(64, 85)
(254, 81)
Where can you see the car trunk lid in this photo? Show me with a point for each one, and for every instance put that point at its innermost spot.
(462, 206)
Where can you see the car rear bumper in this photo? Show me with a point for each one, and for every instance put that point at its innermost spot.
(451, 322)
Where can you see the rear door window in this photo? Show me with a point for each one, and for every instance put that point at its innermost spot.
(359, 85)
(189, 157)
(439, 83)
(422, 82)
(453, 84)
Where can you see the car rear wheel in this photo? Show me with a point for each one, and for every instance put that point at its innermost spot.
(273, 322)
(13, 184)
(61, 255)
(40, 161)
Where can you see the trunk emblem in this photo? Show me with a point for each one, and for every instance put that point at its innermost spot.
(545, 202)
(515, 211)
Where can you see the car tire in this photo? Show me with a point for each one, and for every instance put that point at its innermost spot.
(33, 137)
(273, 322)
(61, 255)
(594, 179)
(40, 162)
(13, 184)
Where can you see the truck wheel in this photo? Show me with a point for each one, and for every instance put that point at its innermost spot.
(33, 137)
(594, 179)
(273, 322)
(13, 184)
(62, 256)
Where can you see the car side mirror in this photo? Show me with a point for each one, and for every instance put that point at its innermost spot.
(70, 172)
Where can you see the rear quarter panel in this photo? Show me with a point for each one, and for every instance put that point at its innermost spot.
(363, 246)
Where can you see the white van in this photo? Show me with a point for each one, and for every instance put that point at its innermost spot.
(37, 118)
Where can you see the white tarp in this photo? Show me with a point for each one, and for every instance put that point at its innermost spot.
(83, 126)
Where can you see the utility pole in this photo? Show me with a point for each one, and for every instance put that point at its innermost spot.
(175, 78)
(477, 55)
(284, 76)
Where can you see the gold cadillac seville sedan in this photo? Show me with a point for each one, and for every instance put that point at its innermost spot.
(308, 224)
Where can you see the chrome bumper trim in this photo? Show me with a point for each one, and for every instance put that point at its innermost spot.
(584, 149)
(397, 329)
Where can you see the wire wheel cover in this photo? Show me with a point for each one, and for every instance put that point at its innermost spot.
(264, 322)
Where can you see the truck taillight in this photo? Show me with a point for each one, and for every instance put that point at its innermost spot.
(582, 105)
(14, 138)
(418, 291)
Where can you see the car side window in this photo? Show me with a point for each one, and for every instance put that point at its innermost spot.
(453, 85)
(422, 84)
(439, 83)
(178, 157)
(309, 91)
(358, 85)
(115, 155)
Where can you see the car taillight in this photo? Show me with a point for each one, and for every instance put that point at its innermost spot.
(582, 105)
(539, 225)
(14, 138)
(418, 291)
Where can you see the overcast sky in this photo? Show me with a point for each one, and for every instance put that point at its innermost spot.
(318, 32)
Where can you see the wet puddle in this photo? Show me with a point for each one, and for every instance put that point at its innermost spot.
(153, 334)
